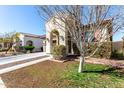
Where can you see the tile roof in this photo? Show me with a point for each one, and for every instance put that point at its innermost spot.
(33, 35)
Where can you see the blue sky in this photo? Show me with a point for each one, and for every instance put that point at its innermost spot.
(26, 19)
(21, 19)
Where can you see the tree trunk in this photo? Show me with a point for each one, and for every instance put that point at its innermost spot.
(81, 64)
(9, 48)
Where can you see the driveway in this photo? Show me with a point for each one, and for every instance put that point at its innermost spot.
(10, 59)
(11, 63)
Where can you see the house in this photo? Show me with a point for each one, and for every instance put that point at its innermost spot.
(118, 45)
(59, 35)
(26, 39)
(38, 41)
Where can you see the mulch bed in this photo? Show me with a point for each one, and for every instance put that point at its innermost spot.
(66, 59)
(39, 75)
(113, 63)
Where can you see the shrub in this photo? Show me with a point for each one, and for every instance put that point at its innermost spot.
(3, 50)
(17, 48)
(117, 55)
(103, 52)
(28, 48)
(59, 52)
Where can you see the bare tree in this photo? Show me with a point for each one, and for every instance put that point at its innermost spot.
(12, 38)
(97, 20)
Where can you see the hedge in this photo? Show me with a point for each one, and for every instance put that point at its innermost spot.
(29, 48)
(116, 54)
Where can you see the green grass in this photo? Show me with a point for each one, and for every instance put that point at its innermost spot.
(93, 76)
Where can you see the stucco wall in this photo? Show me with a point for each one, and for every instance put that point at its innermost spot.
(37, 42)
(21, 37)
(61, 29)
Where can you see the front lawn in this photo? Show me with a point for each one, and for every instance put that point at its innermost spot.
(53, 74)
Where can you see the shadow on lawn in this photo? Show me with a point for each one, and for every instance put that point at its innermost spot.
(101, 71)
(118, 72)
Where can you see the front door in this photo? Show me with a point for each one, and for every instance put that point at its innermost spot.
(69, 47)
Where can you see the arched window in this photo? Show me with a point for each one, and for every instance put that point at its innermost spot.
(29, 43)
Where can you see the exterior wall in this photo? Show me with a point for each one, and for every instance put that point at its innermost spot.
(37, 42)
(63, 40)
(21, 37)
(61, 29)
(44, 45)
(101, 35)
(2, 45)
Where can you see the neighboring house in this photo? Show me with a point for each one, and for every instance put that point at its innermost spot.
(37, 41)
(58, 35)
(4, 45)
(118, 45)
(26, 39)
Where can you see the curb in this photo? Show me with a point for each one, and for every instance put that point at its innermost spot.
(23, 65)
(2, 85)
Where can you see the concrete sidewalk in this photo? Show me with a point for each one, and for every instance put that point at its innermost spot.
(18, 66)
(10, 59)
(15, 62)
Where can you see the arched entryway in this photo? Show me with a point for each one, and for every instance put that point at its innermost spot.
(29, 43)
(55, 37)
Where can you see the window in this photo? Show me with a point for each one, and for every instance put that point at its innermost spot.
(0, 46)
(5, 45)
(89, 36)
(20, 43)
(29, 43)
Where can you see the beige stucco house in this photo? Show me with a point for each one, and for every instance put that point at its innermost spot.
(51, 38)
(26, 39)
(58, 35)
(34, 40)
